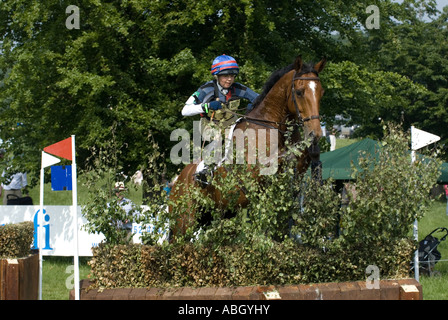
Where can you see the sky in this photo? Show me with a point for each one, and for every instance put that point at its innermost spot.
(441, 4)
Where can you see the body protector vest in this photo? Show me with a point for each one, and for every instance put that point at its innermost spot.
(210, 91)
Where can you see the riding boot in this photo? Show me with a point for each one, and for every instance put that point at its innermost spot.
(203, 176)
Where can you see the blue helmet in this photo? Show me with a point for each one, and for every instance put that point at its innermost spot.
(224, 64)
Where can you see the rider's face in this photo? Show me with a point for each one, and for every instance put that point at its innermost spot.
(226, 80)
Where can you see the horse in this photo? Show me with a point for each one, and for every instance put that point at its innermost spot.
(290, 94)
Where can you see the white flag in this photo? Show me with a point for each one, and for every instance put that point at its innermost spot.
(420, 138)
(48, 160)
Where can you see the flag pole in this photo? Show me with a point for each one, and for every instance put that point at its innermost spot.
(415, 227)
(66, 149)
(47, 160)
(75, 218)
(419, 139)
(40, 223)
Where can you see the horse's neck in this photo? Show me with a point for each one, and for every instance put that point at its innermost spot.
(274, 106)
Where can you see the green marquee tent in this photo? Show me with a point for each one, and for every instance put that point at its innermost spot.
(444, 176)
(337, 164)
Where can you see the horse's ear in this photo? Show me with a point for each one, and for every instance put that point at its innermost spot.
(320, 65)
(298, 63)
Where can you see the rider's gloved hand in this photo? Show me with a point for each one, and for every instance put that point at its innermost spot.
(215, 105)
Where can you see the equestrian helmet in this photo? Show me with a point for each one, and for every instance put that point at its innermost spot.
(224, 64)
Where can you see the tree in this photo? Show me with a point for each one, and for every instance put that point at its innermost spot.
(121, 79)
(403, 60)
(102, 82)
(418, 50)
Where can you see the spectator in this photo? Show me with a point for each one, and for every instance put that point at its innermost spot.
(333, 140)
(14, 184)
(127, 205)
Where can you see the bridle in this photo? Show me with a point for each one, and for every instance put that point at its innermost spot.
(314, 149)
(294, 98)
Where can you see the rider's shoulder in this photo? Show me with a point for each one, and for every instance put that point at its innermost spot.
(240, 86)
(207, 85)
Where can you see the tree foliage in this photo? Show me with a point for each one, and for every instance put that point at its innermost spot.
(124, 75)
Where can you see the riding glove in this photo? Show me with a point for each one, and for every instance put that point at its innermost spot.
(214, 105)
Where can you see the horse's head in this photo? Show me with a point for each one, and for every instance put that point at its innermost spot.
(306, 92)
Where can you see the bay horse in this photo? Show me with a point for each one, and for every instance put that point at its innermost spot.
(292, 93)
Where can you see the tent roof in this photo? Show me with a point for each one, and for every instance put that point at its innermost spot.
(444, 175)
(337, 164)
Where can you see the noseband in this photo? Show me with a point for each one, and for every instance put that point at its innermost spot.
(294, 98)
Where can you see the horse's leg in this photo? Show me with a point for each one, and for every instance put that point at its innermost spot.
(316, 164)
(181, 192)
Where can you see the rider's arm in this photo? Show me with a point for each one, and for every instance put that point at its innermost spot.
(193, 106)
(248, 94)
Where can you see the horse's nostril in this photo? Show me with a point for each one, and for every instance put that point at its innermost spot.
(314, 137)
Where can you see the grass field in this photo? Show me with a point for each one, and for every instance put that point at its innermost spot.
(436, 287)
(57, 276)
(64, 198)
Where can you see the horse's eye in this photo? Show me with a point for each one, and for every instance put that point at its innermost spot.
(299, 93)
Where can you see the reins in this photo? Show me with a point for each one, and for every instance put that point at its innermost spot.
(257, 120)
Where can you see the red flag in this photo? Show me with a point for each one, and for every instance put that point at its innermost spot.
(61, 149)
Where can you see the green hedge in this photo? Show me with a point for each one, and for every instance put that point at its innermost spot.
(16, 239)
(285, 263)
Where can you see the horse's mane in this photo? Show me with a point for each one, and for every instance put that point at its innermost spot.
(276, 75)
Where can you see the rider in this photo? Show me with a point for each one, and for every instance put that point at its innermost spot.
(210, 97)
